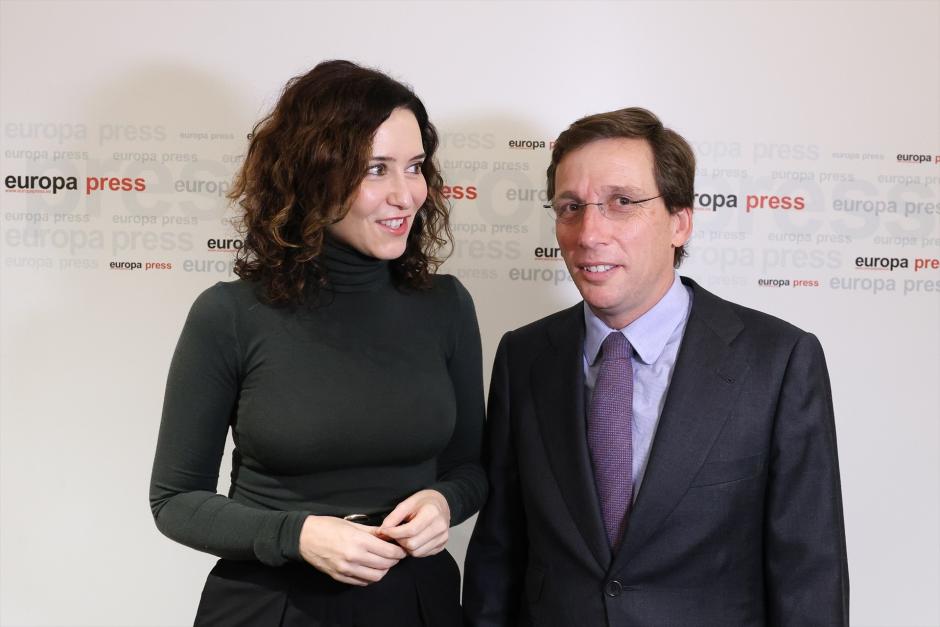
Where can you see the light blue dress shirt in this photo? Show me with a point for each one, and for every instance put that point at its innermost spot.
(655, 337)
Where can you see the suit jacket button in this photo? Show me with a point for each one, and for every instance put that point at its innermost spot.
(613, 588)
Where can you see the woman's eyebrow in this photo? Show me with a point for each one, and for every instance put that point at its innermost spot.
(384, 158)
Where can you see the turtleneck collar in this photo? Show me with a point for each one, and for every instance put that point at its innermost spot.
(349, 270)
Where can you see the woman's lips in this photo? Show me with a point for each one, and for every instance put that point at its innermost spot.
(396, 226)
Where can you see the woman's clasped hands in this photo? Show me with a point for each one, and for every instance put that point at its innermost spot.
(360, 555)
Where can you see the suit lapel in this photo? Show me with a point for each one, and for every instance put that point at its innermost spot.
(705, 383)
(558, 386)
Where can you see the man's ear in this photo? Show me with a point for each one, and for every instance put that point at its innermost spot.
(681, 226)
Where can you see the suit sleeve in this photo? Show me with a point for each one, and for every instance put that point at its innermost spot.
(806, 573)
(460, 476)
(201, 397)
(497, 553)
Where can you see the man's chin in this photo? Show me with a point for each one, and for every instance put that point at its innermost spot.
(596, 287)
(599, 300)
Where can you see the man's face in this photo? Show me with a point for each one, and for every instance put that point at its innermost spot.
(622, 268)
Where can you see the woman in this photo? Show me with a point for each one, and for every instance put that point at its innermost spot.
(349, 374)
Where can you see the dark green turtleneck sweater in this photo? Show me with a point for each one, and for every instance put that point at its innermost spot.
(345, 407)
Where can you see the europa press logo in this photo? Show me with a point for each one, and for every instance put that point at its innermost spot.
(710, 201)
(224, 245)
(460, 192)
(33, 184)
(890, 264)
(530, 144)
(917, 158)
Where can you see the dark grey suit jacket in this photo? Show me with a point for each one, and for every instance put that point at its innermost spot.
(738, 521)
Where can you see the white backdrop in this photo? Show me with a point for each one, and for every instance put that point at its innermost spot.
(835, 104)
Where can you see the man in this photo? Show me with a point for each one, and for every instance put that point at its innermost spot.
(657, 455)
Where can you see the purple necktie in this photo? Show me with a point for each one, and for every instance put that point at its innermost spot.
(610, 434)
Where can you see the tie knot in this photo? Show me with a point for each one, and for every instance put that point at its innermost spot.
(616, 346)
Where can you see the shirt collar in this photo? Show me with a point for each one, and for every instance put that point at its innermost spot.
(647, 334)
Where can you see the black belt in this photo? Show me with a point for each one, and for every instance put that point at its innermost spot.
(370, 520)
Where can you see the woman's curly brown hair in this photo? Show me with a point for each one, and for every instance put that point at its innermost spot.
(304, 164)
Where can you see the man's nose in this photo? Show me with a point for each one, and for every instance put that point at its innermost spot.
(594, 226)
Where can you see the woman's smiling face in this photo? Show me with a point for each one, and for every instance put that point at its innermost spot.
(383, 209)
